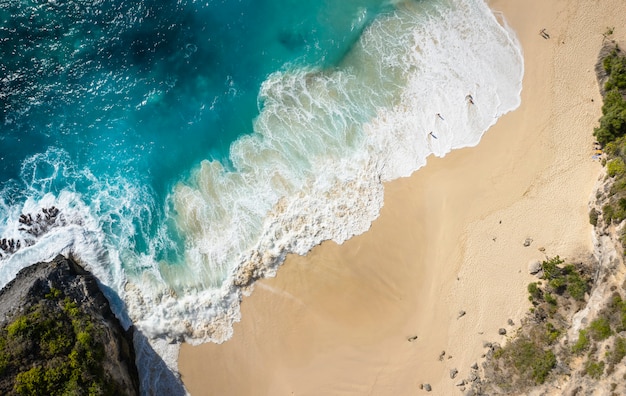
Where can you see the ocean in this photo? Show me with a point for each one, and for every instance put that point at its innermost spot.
(181, 149)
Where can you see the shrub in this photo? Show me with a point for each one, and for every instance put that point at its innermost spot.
(582, 343)
(608, 212)
(619, 350)
(616, 167)
(551, 267)
(19, 326)
(615, 65)
(550, 299)
(552, 333)
(529, 357)
(613, 120)
(534, 291)
(594, 369)
(576, 286)
(593, 217)
(600, 329)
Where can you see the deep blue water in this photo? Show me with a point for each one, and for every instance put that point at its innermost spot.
(152, 87)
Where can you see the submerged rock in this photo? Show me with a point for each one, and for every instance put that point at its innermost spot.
(59, 336)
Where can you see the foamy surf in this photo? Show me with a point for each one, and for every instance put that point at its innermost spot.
(313, 170)
(324, 142)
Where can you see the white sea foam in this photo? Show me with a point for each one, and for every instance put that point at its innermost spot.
(324, 142)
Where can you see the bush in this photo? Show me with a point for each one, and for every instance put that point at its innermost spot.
(600, 329)
(534, 291)
(537, 361)
(616, 167)
(594, 369)
(582, 343)
(550, 299)
(608, 212)
(551, 267)
(613, 120)
(593, 217)
(615, 66)
(619, 350)
(576, 286)
(552, 333)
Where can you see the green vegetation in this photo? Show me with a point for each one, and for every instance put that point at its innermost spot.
(54, 331)
(582, 344)
(600, 329)
(613, 120)
(617, 353)
(550, 268)
(612, 135)
(529, 359)
(535, 293)
(594, 369)
(562, 281)
(615, 167)
(593, 217)
(615, 66)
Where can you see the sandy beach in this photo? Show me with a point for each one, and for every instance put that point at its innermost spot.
(449, 238)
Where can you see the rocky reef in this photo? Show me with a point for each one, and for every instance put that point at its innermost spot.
(58, 335)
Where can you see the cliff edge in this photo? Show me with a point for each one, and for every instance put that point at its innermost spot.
(59, 336)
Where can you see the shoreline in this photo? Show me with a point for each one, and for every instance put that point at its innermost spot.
(338, 321)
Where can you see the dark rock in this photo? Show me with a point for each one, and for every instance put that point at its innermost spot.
(502, 331)
(510, 322)
(427, 387)
(441, 355)
(453, 373)
(475, 366)
(55, 288)
(527, 242)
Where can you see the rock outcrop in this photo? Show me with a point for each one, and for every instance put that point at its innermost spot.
(58, 335)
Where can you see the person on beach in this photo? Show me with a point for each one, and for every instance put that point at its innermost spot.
(544, 34)
(469, 99)
(432, 134)
(439, 115)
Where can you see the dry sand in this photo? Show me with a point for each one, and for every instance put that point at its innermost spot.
(449, 238)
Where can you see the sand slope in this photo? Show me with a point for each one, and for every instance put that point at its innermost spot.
(449, 238)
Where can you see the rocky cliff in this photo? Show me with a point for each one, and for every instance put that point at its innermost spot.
(59, 336)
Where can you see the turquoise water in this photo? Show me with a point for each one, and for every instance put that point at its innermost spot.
(181, 149)
(143, 91)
